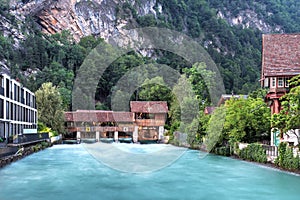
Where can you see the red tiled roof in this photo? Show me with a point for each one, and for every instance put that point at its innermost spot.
(99, 116)
(149, 106)
(225, 97)
(123, 116)
(69, 116)
(280, 55)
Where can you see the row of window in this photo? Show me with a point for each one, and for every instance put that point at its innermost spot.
(277, 82)
(17, 113)
(13, 129)
(12, 90)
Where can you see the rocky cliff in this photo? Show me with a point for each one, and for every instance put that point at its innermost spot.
(82, 17)
(248, 19)
(107, 17)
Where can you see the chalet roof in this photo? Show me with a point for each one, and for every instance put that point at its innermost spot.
(280, 55)
(99, 116)
(149, 106)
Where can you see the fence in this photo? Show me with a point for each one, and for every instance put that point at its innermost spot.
(29, 138)
(271, 150)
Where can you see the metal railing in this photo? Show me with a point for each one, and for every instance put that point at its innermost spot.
(29, 138)
(271, 150)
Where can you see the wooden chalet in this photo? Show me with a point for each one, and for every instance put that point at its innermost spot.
(150, 117)
(280, 62)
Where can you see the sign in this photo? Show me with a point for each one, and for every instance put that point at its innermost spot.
(29, 131)
(149, 128)
(87, 129)
(276, 137)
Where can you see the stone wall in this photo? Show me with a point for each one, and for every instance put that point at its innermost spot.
(23, 152)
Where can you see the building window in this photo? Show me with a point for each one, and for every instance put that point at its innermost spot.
(7, 88)
(7, 110)
(266, 82)
(1, 108)
(287, 82)
(273, 82)
(280, 82)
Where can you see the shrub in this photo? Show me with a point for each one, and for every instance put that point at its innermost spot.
(44, 145)
(223, 151)
(286, 158)
(254, 152)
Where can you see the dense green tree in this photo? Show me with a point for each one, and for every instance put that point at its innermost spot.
(5, 47)
(50, 107)
(184, 111)
(154, 89)
(214, 130)
(201, 80)
(89, 43)
(115, 72)
(247, 120)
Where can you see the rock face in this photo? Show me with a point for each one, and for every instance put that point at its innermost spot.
(82, 17)
(105, 18)
(248, 19)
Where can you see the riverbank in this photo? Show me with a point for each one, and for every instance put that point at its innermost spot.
(23, 152)
(234, 156)
(268, 164)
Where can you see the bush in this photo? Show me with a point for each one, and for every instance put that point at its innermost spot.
(223, 151)
(254, 152)
(286, 158)
(44, 145)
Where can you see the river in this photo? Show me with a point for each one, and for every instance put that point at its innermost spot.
(72, 172)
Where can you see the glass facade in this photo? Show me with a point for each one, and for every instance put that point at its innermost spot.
(17, 108)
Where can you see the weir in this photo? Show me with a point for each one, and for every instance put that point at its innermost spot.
(144, 123)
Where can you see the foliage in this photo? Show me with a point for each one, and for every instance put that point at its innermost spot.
(42, 128)
(236, 51)
(201, 79)
(101, 106)
(282, 13)
(184, 111)
(154, 89)
(259, 93)
(50, 110)
(289, 117)
(40, 146)
(286, 157)
(214, 131)
(89, 43)
(5, 48)
(247, 120)
(223, 151)
(254, 152)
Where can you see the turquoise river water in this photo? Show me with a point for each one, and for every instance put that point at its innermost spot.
(70, 172)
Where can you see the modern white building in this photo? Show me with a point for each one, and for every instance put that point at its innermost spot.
(17, 109)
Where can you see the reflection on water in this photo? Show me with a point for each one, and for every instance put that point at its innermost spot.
(71, 172)
(135, 158)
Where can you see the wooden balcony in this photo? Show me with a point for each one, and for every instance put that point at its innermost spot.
(149, 122)
(279, 90)
(101, 129)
